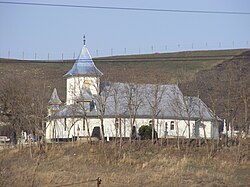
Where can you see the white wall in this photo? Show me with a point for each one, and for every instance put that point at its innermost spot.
(75, 84)
(180, 127)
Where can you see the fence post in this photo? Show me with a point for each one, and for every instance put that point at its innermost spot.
(98, 181)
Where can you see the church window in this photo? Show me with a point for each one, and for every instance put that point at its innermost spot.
(92, 105)
(83, 125)
(172, 125)
(150, 123)
(65, 124)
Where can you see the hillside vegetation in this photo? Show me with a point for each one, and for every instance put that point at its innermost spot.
(220, 78)
(150, 68)
(141, 164)
(214, 76)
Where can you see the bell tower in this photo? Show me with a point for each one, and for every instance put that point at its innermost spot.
(84, 75)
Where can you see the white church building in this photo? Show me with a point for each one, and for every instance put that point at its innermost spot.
(122, 108)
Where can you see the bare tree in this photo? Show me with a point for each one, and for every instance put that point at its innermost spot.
(154, 96)
(133, 102)
(101, 99)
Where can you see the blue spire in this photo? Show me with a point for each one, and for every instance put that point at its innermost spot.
(84, 65)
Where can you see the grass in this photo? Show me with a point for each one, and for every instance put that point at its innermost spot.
(147, 165)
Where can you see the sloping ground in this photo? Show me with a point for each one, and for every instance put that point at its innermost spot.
(224, 88)
(144, 165)
(151, 68)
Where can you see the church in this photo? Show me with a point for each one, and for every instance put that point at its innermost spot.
(96, 109)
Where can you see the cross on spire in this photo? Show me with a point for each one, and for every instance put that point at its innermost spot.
(84, 40)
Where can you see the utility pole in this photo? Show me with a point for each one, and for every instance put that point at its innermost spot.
(9, 54)
(23, 55)
(111, 51)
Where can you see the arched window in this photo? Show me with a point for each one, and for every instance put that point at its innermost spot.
(172, 125)
(150, 123)
(166, 128)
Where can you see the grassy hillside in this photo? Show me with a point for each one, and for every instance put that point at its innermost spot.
(150, 68)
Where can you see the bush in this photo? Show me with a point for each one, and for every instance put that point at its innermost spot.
(145, 132)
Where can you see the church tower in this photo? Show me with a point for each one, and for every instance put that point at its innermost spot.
(83, 76)
(54, 103)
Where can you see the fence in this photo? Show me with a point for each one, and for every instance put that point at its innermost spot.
(24, 55)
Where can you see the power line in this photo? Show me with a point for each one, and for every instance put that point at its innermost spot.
(126, 8)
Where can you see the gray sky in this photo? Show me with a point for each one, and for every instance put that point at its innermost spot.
(57, 30)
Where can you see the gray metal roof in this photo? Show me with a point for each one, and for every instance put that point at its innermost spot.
(75, 111)
(168, 99)
(54, 100)
(84, 65)
(198, 109)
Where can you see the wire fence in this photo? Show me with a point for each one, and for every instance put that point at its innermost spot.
(33, 55)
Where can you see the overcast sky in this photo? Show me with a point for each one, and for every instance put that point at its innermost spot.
(57, 30)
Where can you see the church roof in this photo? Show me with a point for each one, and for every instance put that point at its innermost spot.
(55, 100)
(172, 105)
(84, 65)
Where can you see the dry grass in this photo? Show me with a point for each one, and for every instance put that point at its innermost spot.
(134, 166)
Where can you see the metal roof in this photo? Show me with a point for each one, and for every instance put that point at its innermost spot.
(171, 103)
(54, 100)
(84, 65)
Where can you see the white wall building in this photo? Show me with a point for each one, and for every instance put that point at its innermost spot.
(123, 106)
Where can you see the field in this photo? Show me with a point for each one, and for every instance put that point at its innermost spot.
(209, 74)
(136, 165)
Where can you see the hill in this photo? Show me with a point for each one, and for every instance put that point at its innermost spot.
(214, 76)
(226, 89)
(150, 68)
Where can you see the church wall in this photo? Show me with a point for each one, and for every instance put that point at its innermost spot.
(57, 128)
(75, 84)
